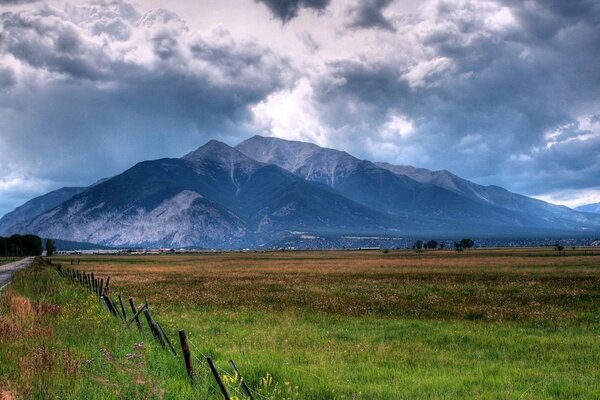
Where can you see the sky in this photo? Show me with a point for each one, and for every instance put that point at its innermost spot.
(503, 92)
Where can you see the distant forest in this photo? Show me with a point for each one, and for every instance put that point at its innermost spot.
(20, 246)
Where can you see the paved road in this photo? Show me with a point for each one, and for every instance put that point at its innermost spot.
(8, 270)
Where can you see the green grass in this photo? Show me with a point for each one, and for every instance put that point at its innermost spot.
(487, 325)
(57, 341)
(6, 260)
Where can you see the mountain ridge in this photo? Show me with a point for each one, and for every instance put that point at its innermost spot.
(589, 208)
(264, 189)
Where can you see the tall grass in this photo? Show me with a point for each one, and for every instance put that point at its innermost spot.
(332, 325)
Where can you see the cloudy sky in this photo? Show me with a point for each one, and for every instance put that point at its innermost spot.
(499, 92)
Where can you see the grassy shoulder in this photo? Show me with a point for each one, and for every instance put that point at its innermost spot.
(57, 341)
(6, 260)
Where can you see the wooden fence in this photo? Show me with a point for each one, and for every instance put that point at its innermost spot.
(226, 381)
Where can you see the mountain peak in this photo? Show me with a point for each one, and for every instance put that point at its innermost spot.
(591, 208)
(226, 157)
(217, 151)
(307, 160)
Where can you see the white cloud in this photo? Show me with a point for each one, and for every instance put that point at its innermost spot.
(290, 114)
(572, 198)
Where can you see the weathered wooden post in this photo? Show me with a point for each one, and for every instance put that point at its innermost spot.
(153, 328)
(109, 305)
(135, 314)
(244, 385)
(164, 335)
(218, 378)
(114, 307)
(122, 307)
(187, 356)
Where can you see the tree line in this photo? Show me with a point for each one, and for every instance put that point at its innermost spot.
(433, 244)
(20, 246)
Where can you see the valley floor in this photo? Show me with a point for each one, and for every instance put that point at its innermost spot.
(506, 324)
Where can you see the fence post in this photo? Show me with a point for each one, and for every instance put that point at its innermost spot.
(122, 307)
(135, 314)
(164, 335)
(218, 378)
(244, 385)
(100, 293)
(187, 356)
(109, 305)
(114, 307)
(153, 328)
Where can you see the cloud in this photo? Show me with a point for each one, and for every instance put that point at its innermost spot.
(501, 92)
(10, 2)
(287, 10)
(367, 14)
(90, 90)
(7, 78)
(481, 84)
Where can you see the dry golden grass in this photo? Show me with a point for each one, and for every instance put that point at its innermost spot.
(532, 285)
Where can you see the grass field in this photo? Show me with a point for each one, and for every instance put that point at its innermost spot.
(6, 260)
(489, 324)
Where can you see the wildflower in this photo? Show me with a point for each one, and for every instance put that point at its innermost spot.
(267, 380)
(231, 378)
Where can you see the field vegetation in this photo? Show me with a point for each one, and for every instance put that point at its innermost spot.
(505, 324)
(6, 260)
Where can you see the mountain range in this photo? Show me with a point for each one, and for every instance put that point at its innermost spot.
(591, 208)
(266, 189)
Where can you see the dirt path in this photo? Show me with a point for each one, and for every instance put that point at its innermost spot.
(8, 270)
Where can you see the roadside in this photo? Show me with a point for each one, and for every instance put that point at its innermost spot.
(8, 270)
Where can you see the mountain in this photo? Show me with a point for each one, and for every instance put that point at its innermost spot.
(36, 207)
(493, 195)
(267, 190)
(359, 180)
(589, 208)
(436, 197)
(212, 197)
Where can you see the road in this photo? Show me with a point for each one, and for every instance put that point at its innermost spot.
(8, 270)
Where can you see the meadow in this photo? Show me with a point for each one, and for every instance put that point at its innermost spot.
(489, 324)
(6, 260)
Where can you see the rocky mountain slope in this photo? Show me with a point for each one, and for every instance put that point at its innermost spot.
(410, 191)
(212, 197)
(36, 206)
(266, 189)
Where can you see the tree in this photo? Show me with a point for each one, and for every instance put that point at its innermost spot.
(50, 247)
(418, 245)
(458, 246)
(559, 247)
(20, 246)
(442, 245)
(467, 243)
(432, 244)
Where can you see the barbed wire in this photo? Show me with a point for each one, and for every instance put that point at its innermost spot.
(234, 388)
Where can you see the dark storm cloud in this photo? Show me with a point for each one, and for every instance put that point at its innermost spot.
(101, 87)
(286, 10)
(367, 14)
(7, 78)
(484, 85)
